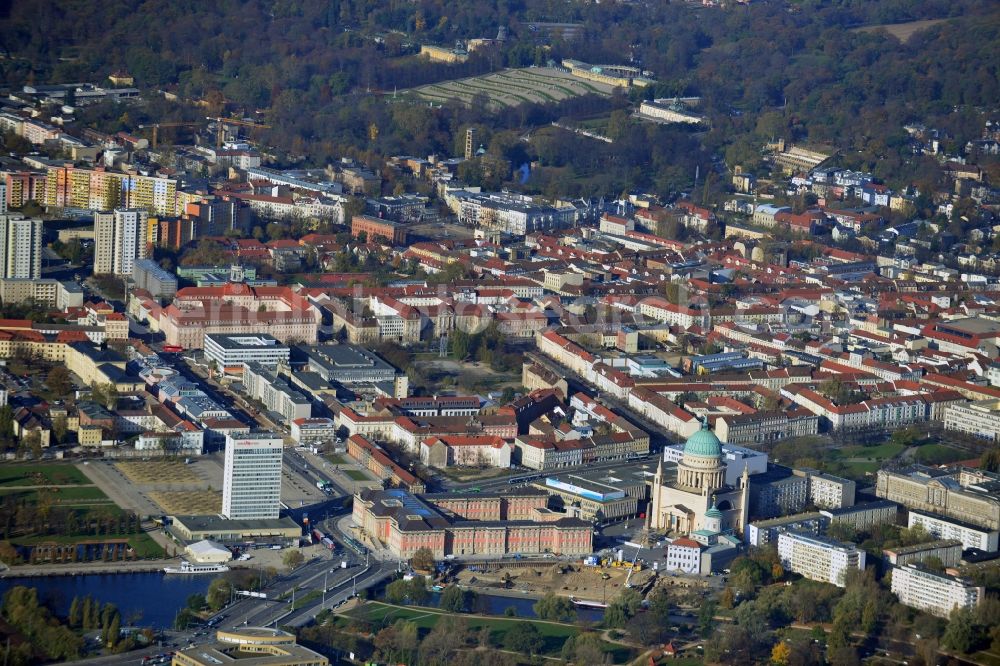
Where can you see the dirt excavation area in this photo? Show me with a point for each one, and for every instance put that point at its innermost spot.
(571, 579)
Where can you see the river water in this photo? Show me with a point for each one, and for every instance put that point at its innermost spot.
(155, 596)
(153, 599)
(489, 604)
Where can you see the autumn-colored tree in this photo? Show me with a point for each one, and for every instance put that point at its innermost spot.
(780, 653)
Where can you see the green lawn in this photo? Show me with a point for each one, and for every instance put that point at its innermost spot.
(882, 451)
(144, 544)
(985, 657)
(856, 470)
(84, 496)
(554, 633)
(356, 475)
(474, 474)
(59, 474)
(338, 459)
(938, 454)
(306, 599)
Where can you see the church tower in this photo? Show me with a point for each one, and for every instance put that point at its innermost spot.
(656, 520)
(713, 519)
(744, 499)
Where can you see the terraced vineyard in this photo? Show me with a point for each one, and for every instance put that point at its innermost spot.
(511, 87)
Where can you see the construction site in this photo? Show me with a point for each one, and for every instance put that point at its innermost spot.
(594, 582)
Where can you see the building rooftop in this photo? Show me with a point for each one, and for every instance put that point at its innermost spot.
(818, 540)
(514, 492)
(787, 520)
(972, 326)
(252, 646)
(218, 523)
(920, 547)
(245, 341)
(342, 357)
(859, 508)
(260, 435)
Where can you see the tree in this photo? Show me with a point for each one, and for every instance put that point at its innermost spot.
(413, 591)
(219, 593)
(780, 653)
(196, 601)
(960, 635)
(442, 644)
(906, 437)
(554, 607)
(623, 608)
(292, 558)
(585, 648)
(991, 459)
(423, 560)
(85, 610)
(459, 344)
(706, 618)
(524, 638)
(649, 628)
(59, 381)
(452, 599)
(75, 616)
(114, 630)
(6, 424)
(184, 619)
(59, 429)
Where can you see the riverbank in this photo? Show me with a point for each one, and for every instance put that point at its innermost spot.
(144, 598)
(86, 568)
(535, 580)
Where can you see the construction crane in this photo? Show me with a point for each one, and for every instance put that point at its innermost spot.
(631, 569)
(236, 122)
(156, 127)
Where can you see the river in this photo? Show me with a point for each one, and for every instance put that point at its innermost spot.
(490, 604)
(156, 596)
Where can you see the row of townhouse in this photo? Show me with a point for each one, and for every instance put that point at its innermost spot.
(655, 406)
(663, 412)
(373, 458)
(385, 318)
(888, 411)
(409, 431)
(466, 451)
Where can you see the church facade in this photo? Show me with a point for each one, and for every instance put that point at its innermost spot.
(697, 502)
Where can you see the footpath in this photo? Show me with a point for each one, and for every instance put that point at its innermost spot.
(83, 568)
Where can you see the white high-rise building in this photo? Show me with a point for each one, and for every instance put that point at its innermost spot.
(3, 198)
(819, 558)
(20, 247)
(251, 487)
(119, 239)
(932, 592)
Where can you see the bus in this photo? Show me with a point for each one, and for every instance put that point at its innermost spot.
(173, 349)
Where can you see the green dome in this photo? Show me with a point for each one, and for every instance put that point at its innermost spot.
(704, 443)
(713, 512)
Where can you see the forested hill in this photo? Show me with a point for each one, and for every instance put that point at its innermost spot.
(770, 69)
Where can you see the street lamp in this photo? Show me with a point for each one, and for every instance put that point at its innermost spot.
(324, 586)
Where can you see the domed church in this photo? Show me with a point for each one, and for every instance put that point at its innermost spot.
(697, 499)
